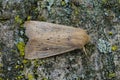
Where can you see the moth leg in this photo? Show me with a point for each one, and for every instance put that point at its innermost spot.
(84, 50)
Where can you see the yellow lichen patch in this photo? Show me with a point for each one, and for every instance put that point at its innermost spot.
(36, 64)
(63, 3)
(21, 66)
(1, 78)
(30, 76)
(110, 33)
(19, 77)
(114, 48)
(18, 19)
(1, 68)
(44, 79)
(17, 66)
(1, 65)
(0, 53)
(41, 18)
(21, 48)
(25, 61)
(29, 18)
(41, 62)
(111, 75)
(104, 1)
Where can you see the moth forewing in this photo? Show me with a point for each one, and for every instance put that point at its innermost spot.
(44, 49)
(48, 39)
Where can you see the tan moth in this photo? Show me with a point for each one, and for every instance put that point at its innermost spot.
(48, 39)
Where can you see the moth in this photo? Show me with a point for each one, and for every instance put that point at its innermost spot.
(48, 39)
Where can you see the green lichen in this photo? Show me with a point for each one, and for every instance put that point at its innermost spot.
(21, 48)
(104, 46)
(50, 2)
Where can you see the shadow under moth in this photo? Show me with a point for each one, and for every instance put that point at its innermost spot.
(48, 39)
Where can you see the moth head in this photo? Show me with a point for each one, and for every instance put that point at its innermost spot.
(80, 38)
